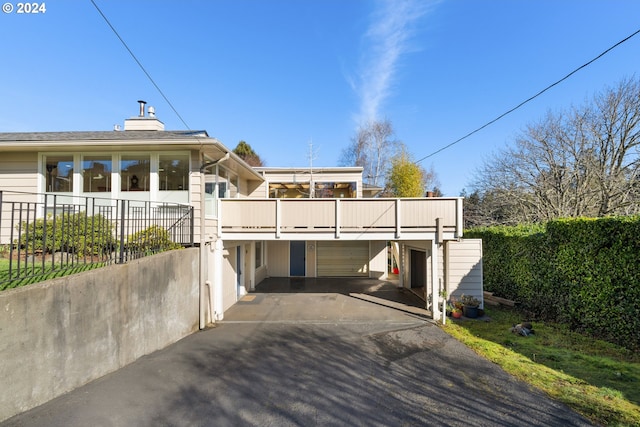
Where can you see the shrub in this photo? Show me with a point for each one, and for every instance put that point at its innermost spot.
(69, 232)
(151, 240)
(583, 272)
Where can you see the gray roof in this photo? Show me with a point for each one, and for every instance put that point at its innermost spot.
(102, 135)
(195, 139)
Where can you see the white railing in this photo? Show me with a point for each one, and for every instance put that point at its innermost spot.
(392, 218)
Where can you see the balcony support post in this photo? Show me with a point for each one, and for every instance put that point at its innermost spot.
(398, 222)
(278, 217)
(459, 218)
(218, 208)
(435, 281)
(337, 218)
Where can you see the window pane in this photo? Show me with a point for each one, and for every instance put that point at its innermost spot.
(173, 172)
(289, 190)
(58, 174)
(335, 190)
(134, 173)
(96, 174)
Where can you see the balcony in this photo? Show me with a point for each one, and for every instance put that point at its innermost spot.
(346, 219)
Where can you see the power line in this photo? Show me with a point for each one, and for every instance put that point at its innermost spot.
(140, 64)
(529, 99)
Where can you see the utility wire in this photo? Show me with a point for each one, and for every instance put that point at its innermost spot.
(140, 65)
(529, 99)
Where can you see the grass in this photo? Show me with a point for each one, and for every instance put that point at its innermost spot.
(597, 379)
(35, 273)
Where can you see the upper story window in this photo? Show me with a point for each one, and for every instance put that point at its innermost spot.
(337, 190)
(322, 190)
(173, 172)
(209, 189)
(289, 190)
(59, 174)
(135, 172)
(96, 173)
(231, 180)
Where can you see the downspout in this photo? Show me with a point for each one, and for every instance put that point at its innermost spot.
(204, 242)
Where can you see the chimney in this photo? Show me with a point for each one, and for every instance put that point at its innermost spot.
(142, 121)
(142, 104)
(429, 193)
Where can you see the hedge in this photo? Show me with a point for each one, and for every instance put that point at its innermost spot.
(584, 272)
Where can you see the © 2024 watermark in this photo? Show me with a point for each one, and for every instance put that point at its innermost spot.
(33, 8)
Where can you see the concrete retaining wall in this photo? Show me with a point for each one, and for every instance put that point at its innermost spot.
(63, 333)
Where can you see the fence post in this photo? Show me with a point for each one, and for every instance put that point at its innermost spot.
(44, 235)
(192, 227)
(122, 224)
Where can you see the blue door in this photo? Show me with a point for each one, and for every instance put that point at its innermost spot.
(297, 258)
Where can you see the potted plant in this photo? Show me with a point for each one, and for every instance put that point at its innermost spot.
(470, 306)
(456, 308)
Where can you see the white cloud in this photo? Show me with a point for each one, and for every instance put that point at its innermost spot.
(393, 24)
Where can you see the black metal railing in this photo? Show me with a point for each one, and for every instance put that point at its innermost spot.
(49, 235)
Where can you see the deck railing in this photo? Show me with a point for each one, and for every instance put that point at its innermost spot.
(339, 217)
(45, 235)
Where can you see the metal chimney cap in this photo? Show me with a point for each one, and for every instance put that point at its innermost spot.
(142, 103)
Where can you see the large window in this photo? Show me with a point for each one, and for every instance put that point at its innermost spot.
(322, 190)
(96, 174)
(58, 174)
(135, 173)
(159, 176)
(338, 190)
(289, 190)
(173, 172)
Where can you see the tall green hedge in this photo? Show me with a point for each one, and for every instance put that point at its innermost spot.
(583, 272)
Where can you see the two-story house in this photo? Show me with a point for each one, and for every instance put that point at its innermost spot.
(252, 222)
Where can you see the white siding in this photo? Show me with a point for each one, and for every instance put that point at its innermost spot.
(19, 172)
(278, 259)
(194, 190)
(464, 268)
(229, 278)
(378, 264)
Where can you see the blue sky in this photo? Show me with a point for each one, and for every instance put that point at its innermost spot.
(284, 74)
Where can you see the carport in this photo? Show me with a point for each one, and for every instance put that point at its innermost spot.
(309, 299)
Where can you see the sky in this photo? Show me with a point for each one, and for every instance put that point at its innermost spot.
(296, 78)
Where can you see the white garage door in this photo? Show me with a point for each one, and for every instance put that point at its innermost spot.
(343, 259)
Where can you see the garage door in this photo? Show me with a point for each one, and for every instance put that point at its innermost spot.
(343, 259)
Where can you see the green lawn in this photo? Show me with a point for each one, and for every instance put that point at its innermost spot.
(595, 378)
(34, 273)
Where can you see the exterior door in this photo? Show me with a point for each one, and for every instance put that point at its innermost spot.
(418, 269)
(297, 258)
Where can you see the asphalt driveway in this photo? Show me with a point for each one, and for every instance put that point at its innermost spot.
(331, 353)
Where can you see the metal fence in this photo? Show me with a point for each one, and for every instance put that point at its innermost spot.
(50, 235)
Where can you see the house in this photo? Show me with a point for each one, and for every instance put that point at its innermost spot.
(253, 222)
